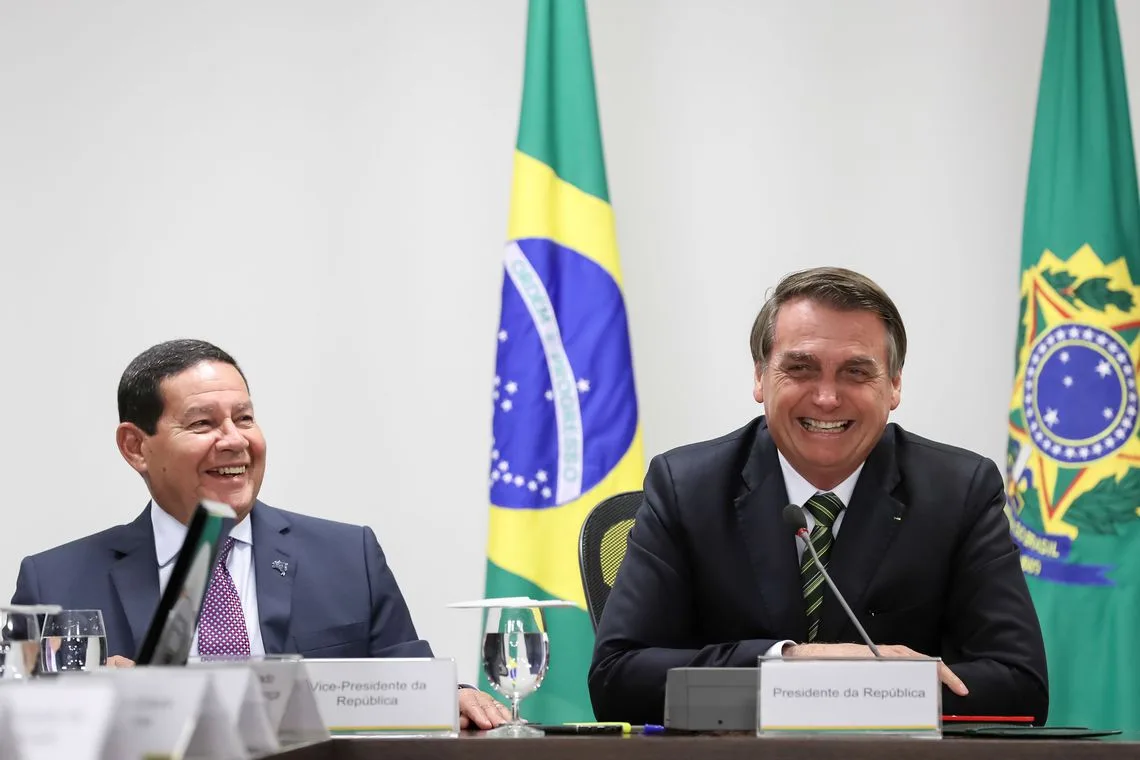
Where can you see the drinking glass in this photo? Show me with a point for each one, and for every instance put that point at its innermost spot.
(516, 650)
(19, 641)
(73, 640)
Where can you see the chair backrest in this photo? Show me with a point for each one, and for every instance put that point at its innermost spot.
(601, 547)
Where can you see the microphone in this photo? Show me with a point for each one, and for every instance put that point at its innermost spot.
(794, 516)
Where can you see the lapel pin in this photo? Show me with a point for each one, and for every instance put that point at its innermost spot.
(279, 566)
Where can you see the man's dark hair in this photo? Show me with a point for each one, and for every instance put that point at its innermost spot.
(140, 397)
(840, 289)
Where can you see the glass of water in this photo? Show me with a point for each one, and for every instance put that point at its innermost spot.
(19, 641)
(73, 640)
(516, 651)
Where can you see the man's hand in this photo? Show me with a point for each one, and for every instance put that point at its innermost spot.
(118, 661)
(953, 682)
(481, 709)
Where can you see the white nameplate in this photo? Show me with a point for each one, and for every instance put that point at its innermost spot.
(216, 735)
(289, 703)
(61, 717)
(7, 738)
(886, 695)
(386, 696)
(158, 710)
(244, 706)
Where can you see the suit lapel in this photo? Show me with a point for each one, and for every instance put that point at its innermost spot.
(870, 524)
(274, 567)
(134, 575)
(770, 543)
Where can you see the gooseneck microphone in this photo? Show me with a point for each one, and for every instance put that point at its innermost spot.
(794, 516)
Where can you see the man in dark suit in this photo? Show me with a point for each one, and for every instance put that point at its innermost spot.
(295, 584)
(912, 531)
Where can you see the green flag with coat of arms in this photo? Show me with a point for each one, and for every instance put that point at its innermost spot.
(1074, 456)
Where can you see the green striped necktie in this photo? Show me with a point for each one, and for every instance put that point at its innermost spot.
(824, 507)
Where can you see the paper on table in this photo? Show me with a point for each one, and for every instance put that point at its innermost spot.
(511, 601)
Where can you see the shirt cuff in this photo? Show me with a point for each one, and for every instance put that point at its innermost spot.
(777, 649)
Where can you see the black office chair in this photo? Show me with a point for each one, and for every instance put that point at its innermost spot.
(601, 547)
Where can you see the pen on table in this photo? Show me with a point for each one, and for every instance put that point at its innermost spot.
(626, 728)
(601, 728)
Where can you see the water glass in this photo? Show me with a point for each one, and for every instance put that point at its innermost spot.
(19, 641)
(516, 651)
(73, 640)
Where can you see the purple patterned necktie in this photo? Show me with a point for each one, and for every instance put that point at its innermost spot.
(221, 626)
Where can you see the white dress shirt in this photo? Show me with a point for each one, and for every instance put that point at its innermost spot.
(799, 491)
(168, 537)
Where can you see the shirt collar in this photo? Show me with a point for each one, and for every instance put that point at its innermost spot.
(800, 490)
(169, 534)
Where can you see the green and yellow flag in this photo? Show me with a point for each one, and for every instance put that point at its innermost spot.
(1074, 456)
(566, 427)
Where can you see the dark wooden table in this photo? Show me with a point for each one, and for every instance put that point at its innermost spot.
(724, 747)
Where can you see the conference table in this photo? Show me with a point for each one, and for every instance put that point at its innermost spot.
(474, 746)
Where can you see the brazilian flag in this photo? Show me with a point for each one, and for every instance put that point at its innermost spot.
(566, 428)
(1074, 456)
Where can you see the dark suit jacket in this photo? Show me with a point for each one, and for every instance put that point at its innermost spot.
(338, 597)
(923, 557)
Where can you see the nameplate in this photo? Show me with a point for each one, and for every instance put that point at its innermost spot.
(243, 706)
(158, 709)
(7, 737)
(386, 696)
(61, 717)
(289, 704)
(880, 696)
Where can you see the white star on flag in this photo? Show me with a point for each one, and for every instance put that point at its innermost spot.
(502, 336)
(540, 476)
(546, 493)
(1068, 381)
(506, 405)
(511, 387)
(1065, 357)
(583, 385)
(1103, 369)
(1108, 413)
(1051, 417)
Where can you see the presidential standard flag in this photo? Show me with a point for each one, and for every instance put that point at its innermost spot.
(566, 430)
(1074, 459)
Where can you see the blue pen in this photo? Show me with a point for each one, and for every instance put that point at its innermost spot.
(650, 729)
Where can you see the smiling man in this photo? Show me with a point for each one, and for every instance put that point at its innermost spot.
(912, 531)
(285, 583)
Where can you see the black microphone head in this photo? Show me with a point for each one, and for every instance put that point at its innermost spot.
(794, 516)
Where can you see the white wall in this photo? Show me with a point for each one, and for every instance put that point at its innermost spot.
(322, 189)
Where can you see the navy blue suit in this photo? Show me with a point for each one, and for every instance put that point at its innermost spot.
(924, 557)
(338, 597)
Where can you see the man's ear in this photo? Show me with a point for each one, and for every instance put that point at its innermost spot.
(757, 386)
(130, 438)
(896, 391)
